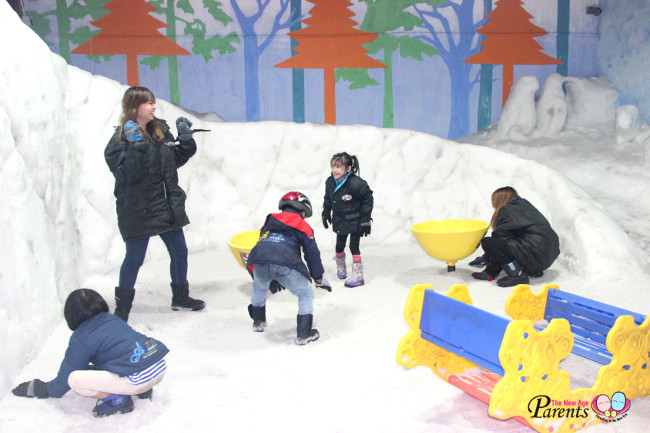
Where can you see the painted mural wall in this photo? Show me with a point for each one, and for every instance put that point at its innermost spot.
(436, 66)
(624, 50)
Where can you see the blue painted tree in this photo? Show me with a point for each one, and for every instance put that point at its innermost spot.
(253, 47)
(451, 29)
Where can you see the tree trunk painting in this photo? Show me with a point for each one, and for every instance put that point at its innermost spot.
(563, 14)
(509, 40)
(328, 42)
(131, 31)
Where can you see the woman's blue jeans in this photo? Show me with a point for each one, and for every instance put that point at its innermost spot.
(291, 279)
(135, 253)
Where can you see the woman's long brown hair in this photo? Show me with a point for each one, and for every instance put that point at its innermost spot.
(132, 99)
(500, 198)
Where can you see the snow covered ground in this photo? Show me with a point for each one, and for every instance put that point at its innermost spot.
(60, 232)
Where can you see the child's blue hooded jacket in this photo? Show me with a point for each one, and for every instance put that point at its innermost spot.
(109, 344)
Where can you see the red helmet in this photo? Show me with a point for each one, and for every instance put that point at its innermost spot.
(296, 200)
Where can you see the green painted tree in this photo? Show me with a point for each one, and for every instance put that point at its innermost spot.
(382, 17)
(201, 44)
(64, 15)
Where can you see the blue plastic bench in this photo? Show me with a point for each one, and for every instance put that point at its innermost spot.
(463, 329)
(590, 322)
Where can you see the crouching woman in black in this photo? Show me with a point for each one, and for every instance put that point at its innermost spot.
(522, 243)
(124, 362)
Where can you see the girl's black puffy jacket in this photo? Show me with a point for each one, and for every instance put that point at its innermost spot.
(529, 235)
(149, 200)
(350, 205)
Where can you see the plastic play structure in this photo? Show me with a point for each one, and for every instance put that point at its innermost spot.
(450, 240)
(513, 365)
(241, 245)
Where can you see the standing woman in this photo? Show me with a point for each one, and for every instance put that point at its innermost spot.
(144, 157)
(522, 244)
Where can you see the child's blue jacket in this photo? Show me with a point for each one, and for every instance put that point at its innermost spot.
(109, 344)
(281, 237)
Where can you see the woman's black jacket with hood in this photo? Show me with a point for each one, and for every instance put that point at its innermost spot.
(149, 200)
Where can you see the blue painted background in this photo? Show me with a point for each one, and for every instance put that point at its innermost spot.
(423, 98)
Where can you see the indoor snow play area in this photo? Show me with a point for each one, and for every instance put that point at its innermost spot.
(581, 158)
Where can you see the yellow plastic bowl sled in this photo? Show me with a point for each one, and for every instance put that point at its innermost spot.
(241, 245)
(450, 240)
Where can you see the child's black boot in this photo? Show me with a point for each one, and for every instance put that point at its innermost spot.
(305, 333)
(258, 314)
(123, 303)
(181, 298)
(516, 275)
(114, 403)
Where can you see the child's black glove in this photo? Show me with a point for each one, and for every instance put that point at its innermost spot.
(327, 218)
(324, 284)
(364, 228)
(31, 389)
(275, 287)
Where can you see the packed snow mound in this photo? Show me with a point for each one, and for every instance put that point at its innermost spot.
(518, 118)
(551, 107)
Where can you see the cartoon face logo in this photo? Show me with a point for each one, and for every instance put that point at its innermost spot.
(603, 403)
(618, 401)
(610, 408)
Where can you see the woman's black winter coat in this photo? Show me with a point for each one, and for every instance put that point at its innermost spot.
(529, 235)
(149, 200)
(349, 206)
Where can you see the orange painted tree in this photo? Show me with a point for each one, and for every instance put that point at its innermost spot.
(509, 40)
(328, 42)
(130, 30)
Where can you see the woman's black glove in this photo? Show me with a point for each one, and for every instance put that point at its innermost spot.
(183, 127)
(31, 389)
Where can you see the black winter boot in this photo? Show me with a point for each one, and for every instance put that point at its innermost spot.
(516, 275)
(181, 298)
(123, 303)
(305, 333)
(258, 314)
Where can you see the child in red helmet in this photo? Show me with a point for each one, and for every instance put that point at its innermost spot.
(277, 257)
